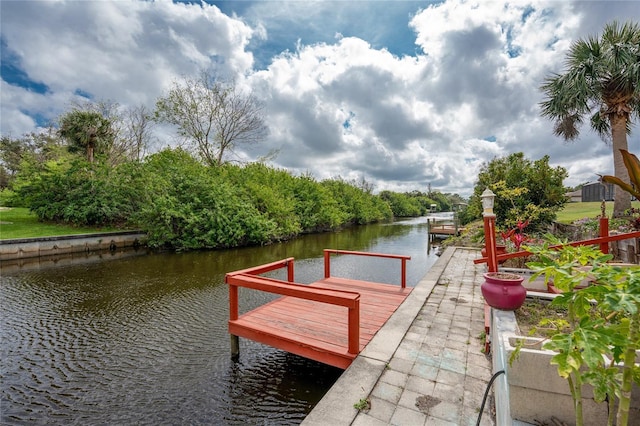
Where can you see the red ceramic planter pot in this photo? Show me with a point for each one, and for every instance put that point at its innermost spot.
(503, 291)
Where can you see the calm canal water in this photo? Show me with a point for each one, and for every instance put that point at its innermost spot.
(142, 339)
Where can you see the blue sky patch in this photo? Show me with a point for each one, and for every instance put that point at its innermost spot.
(13, 74)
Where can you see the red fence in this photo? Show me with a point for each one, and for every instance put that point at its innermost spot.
(602, 241)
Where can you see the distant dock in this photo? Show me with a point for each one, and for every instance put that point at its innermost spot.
(443, 225)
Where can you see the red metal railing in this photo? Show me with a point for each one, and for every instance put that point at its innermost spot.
(403, 259)
(348, 299)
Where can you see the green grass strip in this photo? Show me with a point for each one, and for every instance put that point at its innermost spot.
(574, 211)
(20, 223)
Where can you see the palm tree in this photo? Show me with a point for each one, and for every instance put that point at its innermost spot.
(601, 80)
(86, 131)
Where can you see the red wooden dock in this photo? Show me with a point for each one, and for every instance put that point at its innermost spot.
(329, 321)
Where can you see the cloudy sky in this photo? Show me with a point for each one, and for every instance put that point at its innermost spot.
(405, 94)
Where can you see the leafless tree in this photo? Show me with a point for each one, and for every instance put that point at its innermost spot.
(139, 126)
(213, 114)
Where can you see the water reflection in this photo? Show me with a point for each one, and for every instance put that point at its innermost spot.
(143, 339)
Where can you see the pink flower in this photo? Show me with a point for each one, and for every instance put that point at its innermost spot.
(518, 239)
(516, 235)
(506, 236)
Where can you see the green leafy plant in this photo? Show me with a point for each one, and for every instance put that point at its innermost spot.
(363, 404)
(599, 348)
(632, 164)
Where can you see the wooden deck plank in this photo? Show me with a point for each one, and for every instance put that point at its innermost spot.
(329, 329)
(294, 308)
(318, 330)
(309, 321)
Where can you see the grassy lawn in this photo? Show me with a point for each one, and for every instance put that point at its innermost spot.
(575, 211)
(20, 223)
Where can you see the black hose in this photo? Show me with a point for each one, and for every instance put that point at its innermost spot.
(486, 393)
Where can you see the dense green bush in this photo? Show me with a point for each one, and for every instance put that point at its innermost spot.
(189, 205)
(9, 198)
(316, 206)
(182, 203)
(525, 190)
(263, 186)
(403, 205)
(296, 204)
(80, 193)
(359, 206)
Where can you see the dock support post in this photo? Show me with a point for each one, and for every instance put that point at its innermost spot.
(327, 264)
(235, 347)
(233, 315)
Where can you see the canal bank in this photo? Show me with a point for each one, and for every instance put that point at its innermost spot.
(27, 248)
(426, 365)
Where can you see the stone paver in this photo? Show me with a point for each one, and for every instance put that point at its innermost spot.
(436, 374)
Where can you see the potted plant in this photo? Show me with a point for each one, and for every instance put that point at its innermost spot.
(503, 290)
(513, 238)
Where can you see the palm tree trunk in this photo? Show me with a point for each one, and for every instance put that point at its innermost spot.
(90, 153)
(622, 199)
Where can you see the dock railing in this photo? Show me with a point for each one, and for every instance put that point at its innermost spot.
(251, 278)
(403, 259)
(268, 267)
(348, 299)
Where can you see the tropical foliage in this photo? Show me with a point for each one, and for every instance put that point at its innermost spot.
(184, 204)
(87, 132)
(601, 83)
(82, 193)
(403, 205)
(599, 345)
(632, 164)
(525, 190)
(92, 171)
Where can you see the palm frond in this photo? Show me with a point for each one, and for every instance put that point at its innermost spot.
(601, 78)
(602, 126)
(568, 127)
(632, 164)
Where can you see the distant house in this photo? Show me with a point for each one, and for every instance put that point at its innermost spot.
(597, 191)
(574, 196)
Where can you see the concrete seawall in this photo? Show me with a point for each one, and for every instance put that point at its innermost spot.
(25, 248)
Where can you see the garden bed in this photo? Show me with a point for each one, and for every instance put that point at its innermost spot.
(534, 310)
(531, 391)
